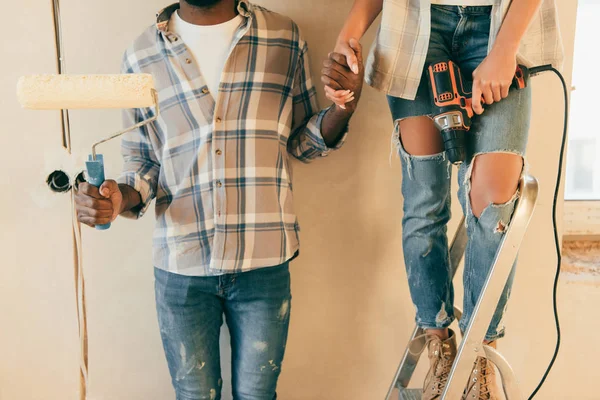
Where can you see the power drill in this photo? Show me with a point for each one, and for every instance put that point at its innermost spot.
(452, 108)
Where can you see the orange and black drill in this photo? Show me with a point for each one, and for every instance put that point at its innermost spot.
(452, 109)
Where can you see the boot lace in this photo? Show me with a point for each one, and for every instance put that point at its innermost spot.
(485, 377)
(443, 361)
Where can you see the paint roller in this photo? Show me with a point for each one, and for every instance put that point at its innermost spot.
(61, 92)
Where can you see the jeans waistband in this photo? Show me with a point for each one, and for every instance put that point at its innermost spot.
(464, 10)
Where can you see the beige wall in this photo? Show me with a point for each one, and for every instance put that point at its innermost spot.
(351, 310)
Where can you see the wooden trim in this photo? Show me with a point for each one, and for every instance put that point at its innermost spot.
(582, 219)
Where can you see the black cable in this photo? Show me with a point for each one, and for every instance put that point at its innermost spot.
(534, 71)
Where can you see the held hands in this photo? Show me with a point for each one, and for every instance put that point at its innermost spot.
(98, 206)
(343, 73)
(493, 78)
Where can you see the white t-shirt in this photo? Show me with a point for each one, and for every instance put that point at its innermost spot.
(209, 45)
(464, 2)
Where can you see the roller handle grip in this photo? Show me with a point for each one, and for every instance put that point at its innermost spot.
(95, 176)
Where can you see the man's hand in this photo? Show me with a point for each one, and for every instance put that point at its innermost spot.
(343, 84)
(98, 206)
(492, 79)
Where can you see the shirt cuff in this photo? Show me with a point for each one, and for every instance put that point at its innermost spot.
(143, 187)
(315, 128)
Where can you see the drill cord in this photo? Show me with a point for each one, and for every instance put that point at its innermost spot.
(534, 71)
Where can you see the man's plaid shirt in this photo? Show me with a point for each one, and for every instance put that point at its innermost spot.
(218, 164)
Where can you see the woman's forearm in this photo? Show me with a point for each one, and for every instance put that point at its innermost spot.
(361, 16)
(517, 20)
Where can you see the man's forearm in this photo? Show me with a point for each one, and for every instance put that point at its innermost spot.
(131, 198)
(334, 125)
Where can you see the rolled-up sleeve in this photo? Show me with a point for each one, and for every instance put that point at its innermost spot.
(306, 141)
(141, 167)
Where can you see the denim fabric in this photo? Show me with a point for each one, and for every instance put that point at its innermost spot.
(460, 34)
(256, 305)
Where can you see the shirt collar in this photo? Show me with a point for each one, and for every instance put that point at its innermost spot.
(163, 16)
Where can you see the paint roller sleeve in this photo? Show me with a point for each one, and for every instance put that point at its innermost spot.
(55, 92)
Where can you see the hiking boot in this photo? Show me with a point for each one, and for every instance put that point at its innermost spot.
(441, 357)
(483, 382)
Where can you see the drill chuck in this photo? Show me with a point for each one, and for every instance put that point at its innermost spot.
(455, 144)
(454, 135)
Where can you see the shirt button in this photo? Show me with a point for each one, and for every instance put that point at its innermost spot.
(218, 152)
(205, 90)
(218, 120)
(187, 60)
(219, 184)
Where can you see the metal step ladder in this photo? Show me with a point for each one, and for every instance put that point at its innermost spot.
(471, 345)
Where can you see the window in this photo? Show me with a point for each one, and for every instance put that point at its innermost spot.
(582, 192)
(583, 167)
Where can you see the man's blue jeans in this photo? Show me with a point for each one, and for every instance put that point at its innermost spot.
(256, 305)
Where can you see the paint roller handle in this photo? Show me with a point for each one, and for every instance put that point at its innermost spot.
(95, 176)
(94, 208)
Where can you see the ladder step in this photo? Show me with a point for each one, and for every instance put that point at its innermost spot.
(409, 394)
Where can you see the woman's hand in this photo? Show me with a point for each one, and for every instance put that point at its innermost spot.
(347, 56)
(348, 48)
(492, 79)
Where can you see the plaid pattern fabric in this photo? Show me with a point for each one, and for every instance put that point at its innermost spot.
(218, 164)
(397, 58)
